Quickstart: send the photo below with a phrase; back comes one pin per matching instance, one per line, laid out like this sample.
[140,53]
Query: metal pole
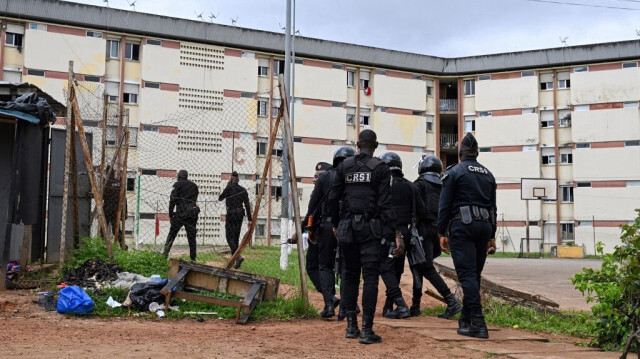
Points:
[593,226]
[67,157]
[74,185]
[138,210]
[527,228]
[233,148]
[284,230]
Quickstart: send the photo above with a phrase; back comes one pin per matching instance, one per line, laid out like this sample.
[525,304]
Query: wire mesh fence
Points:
[211,142]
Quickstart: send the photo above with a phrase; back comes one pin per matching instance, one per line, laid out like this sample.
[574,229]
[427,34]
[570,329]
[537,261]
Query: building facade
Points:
[204,97]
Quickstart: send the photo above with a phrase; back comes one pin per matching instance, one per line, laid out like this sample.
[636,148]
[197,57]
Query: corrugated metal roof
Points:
[108,19]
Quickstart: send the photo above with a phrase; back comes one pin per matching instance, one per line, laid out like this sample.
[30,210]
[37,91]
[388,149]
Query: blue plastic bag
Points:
[74,300]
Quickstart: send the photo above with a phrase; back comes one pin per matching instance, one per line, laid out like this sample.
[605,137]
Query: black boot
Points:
[388,307]
[342,313]
[453,307]
[335,301]
[477,328]
[401,311]
[328,311]
[463,323]
[368,336]
[357,309]
[417,293]
[352,326]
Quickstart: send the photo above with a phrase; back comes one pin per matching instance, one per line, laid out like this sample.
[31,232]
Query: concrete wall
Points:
[399,92]
[492,94]
[609,162]
[605,203]
[399,129]
[321,83]
[605,86]
[320,122]
[507,130]
[510,167]
[606,125]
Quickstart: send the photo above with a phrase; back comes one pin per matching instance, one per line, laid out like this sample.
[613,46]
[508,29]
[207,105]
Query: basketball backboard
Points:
[539,188]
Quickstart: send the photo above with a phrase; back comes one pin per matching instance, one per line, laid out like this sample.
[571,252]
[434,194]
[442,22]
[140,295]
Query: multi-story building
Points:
[204,97]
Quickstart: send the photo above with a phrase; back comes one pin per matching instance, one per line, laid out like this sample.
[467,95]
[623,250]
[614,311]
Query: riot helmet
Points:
[430,163]
[342,153]
[392,160]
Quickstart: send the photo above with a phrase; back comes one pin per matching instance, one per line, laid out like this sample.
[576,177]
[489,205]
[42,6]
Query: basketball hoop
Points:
[537,189]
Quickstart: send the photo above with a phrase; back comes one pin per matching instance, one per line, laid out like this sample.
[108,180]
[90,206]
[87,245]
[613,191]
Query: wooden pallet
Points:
[186,277]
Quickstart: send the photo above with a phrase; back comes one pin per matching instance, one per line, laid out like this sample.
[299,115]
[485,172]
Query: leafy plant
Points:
[616,289]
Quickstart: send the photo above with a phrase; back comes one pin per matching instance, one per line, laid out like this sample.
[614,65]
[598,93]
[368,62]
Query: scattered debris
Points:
[48,302]
[144,294]
[200,313]
[126,280]
[74,300]
[112,303]
[91,273]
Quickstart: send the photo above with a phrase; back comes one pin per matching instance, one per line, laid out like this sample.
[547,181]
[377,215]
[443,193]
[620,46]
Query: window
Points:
[112,98]
[581,108]
[12,76]
[261,148]
[154,42]
[566,158]
[152,85]
[631,143]
[88,78]
[564,118]
[546,119]
[626,65]
[278,67]
[583,145]
[567,193]
[32,72]
[633,183]
[276,191]
[563,80]
[469,87]
[548,156]
[96,34]
[132,52]
[13,39]
[584,184]
[529,148]
[113,49]
[430,88]
[469,123]
[430,123]
[35,26]
[262,107]
[484,77]
[364,120]
[566,230]
[248,55]
[260,230]
[131,183]
[484,149]
[546,86]
[484,114]
[527,73]
[581,69]
[275,107]
[528,110]
[130,98]
[351,119]
[364,79]
[351,78]
[381,109]
[630,104]
[263,71]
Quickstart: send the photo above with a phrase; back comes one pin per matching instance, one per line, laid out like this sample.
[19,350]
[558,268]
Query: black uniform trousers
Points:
[313,265]
[362,256]
[327,245]
[430,237]
[232,227]
[189,224]
[468,244]
[391,269]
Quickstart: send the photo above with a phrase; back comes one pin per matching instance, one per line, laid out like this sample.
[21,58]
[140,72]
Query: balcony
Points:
[448,105]
[448,140]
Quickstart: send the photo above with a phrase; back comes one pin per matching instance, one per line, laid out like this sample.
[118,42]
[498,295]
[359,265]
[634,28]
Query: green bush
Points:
[616,289]
[141,262]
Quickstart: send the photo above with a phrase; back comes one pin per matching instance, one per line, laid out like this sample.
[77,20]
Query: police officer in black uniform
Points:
[184,198]
[363,184]
[467,225]
[323,229]
[405,200]
[236,196]
[429,186]
[314,213]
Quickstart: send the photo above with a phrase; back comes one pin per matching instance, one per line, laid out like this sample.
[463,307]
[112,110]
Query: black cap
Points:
[234,174]
[323,166]
[183,174]
[468,147]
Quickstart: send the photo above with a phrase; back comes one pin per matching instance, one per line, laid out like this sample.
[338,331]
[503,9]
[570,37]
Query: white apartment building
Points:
[570,113]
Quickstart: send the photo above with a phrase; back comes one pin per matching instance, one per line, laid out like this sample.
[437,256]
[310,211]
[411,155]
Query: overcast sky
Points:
[446,28]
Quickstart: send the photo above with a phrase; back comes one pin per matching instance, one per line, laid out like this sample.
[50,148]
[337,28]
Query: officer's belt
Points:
[475,212]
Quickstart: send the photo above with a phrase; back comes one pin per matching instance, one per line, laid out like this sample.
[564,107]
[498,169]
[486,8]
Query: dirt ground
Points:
[27,330]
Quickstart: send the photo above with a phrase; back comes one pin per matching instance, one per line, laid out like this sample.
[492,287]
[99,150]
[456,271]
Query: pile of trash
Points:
[92,274]
[13,268]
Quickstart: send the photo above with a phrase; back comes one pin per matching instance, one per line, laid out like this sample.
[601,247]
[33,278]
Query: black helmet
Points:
[342,153]
[392,160]
[430,163]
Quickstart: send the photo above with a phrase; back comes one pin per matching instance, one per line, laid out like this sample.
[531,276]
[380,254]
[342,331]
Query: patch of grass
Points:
[101,309]
[577,324]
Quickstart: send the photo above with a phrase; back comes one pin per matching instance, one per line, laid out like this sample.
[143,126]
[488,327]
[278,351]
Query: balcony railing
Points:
[448,105]
[448,140]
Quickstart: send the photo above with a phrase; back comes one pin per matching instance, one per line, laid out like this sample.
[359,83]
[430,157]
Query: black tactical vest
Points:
[360,193]
[431,186]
